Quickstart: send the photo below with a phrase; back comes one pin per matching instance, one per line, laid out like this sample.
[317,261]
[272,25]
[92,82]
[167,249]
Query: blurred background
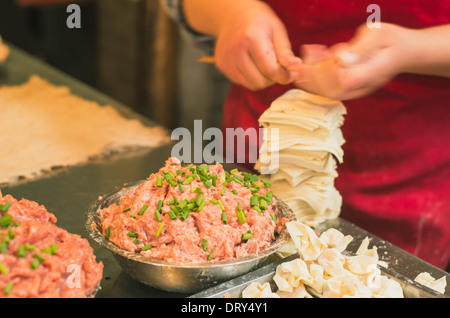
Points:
[129,49]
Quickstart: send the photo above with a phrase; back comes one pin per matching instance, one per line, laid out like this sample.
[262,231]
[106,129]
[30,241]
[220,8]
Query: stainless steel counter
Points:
[68,192]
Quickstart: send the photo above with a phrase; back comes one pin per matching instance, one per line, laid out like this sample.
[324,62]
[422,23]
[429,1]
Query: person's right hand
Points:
[253,48]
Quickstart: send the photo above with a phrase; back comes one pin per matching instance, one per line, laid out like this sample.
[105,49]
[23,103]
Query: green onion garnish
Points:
[246,236]
[172,215]
[234,192]
[132,234]
[3,269]
[211,252]
[8,288]
[126,210]
[223,191]
[224,218]
[6,220]
[160,204]
[199,199]
[146,247]
[159,182]
[267,184]
[157,216]
[143,209]
[274,218]
[254,201]
[204,245]
[5,206]
[200,207]
[159,230]
[21,252]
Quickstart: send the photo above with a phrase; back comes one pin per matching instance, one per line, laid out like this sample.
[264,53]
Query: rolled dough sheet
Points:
[43,126]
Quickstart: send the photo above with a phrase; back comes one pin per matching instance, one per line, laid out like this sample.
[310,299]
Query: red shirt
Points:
[395,179]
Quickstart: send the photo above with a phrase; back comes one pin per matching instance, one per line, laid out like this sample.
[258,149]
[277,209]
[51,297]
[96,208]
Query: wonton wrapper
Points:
[426,279]
[256,290]
[308,245]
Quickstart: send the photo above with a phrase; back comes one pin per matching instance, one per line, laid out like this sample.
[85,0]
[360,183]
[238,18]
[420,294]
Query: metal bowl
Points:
[177,277]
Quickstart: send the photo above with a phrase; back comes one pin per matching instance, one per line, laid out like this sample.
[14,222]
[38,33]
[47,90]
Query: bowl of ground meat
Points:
[39,259]
[188,227]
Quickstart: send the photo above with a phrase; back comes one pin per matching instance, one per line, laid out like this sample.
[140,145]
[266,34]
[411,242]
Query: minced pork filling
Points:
[189,213]
[38,259]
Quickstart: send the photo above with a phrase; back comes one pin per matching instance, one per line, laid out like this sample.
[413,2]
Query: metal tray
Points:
[400,264]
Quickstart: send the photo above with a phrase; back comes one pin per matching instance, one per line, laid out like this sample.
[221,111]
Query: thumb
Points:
[283,49]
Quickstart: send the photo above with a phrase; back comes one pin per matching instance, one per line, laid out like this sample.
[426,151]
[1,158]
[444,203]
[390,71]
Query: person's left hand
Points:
[358,67]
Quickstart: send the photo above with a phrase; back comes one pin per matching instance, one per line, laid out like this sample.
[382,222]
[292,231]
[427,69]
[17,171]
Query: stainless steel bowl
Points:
[177,277]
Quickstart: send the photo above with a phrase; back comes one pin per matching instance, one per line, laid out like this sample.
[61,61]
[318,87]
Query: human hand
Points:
[358,67]
[253,48]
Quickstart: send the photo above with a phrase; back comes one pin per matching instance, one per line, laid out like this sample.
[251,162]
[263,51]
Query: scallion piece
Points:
[200,207]
[4,247]
[234,192]
[6,220]
[21,252]
[241,216]
[3,269]
[172,215]
[246,236]
[254,201]
[126,210]
[159,182]
[204,245]
[159,230]
[146,247]
[222,192]
[199,199]
[157,216]
[207,184]
[8,288]
[267,184]
[6,206]
[262,204]
[132,234]
[160,205]
[143,209]
[274,218]
[211,252]
[224,218]
[185,215]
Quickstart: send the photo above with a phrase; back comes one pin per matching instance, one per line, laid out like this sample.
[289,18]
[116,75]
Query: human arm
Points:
[372,58]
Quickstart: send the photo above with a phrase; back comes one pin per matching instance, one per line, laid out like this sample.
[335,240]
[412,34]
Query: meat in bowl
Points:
[188,213]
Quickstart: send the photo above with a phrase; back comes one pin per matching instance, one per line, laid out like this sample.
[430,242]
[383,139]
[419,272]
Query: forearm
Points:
[431,51]
[207,16]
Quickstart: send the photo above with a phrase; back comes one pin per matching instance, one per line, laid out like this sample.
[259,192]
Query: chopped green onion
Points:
[207,184]
[11,234]
[8,288]
[136,241]
[108,232]
[132,234]
[3,269]
[254,201]
[234,192]
[200,207]
[262,204]
[6,220]
[181,187]
[204,245]
[143,209]
[257,209]
[224,218]
[5,206]
[34,264]
[246,236]
[159,230]
[126,210]
[222,192]
[234,171]
[146,247]
[185,215]
[51,250]
[188,180]
[267,184]
[4,247]
[172,215]
[157,216]
[199,199]
[159,182]
[175,199]
[241,216]
[21,251]
[211,252]
[181,172]
[160,204]
[213,178]
[274,218]
[31,247]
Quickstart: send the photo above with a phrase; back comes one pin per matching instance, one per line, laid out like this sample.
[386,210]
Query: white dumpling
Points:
[308,245]
[426,279]
[258,290]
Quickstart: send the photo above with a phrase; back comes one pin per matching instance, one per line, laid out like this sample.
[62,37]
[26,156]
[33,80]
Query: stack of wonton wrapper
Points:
[300,151]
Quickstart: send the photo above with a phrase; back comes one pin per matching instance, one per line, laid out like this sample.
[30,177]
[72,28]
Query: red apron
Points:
[395,179]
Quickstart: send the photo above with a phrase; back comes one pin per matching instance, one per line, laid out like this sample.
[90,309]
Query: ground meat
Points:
[205,213]
[39,259]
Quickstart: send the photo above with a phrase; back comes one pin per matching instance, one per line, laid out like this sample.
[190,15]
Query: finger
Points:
[264,57]
[313,53]
[251,75]
[283,49]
